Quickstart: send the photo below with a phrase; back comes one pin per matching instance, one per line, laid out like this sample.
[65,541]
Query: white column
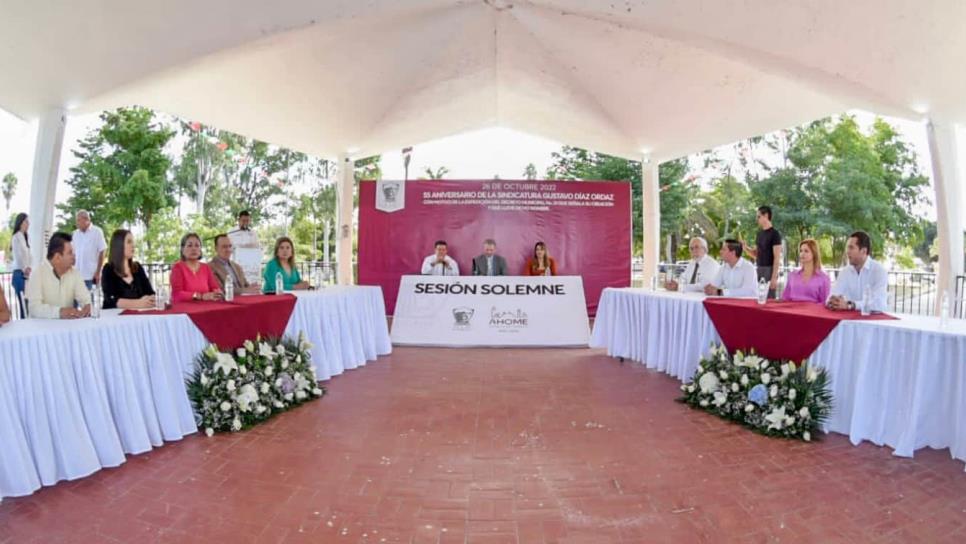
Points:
[651,226]
[950,192]
[343,232]
[43,186]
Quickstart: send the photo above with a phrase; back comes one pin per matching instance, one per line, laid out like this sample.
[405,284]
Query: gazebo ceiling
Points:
[665,76]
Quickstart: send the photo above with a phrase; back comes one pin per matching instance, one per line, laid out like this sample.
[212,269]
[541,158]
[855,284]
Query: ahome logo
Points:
[508,320]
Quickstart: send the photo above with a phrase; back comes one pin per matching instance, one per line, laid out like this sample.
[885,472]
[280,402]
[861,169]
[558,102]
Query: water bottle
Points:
[762,291]
[96,302]
[866,301]
[546,271]
[229,290]
[654,283]
[159,299]
[279,284]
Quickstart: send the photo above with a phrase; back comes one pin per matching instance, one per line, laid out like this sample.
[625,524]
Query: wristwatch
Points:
[195,296]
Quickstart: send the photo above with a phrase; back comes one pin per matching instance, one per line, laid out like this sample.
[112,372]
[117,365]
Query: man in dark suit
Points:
[489,263]
[226,269]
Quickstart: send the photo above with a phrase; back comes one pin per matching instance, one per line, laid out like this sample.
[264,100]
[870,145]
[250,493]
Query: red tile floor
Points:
[495,446]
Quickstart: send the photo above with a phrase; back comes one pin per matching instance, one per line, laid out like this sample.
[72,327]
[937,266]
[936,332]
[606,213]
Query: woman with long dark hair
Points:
[21,260]
[541,264]
[123,280]
[283,262]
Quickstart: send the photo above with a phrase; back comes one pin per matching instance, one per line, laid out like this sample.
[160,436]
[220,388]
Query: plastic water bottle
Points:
[762,291]
[159,299]
[229,290]
[866,301]
[279,284]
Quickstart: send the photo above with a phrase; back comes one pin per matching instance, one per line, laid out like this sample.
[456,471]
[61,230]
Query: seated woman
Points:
[123,280]
[541,264]
[283,262]
[4,309]
[192,279]
[809,283]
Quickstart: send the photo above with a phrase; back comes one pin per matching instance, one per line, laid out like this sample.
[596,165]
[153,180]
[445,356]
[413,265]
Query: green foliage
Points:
[438,173]
[9,188]
[122,174]
[530,172]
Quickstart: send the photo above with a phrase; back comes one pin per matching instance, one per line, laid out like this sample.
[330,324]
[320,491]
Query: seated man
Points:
[861,274]
[489,263]
[226,269]
[736,277]
[55,289]
[700,271]
[440,264]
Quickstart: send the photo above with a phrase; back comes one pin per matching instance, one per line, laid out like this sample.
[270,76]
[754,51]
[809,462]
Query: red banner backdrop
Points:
[585,224]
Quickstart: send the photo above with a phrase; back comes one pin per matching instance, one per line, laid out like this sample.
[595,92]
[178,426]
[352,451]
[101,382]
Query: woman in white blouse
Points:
[21,260]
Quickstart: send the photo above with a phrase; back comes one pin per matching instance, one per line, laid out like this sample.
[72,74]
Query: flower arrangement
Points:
[232,391]
[775,398]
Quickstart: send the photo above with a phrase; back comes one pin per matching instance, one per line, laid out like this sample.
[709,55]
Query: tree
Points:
[9,188]
[122,174]
[530,172]
[203,158]
[439,173]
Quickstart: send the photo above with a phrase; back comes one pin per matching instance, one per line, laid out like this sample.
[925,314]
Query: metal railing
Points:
[160,273]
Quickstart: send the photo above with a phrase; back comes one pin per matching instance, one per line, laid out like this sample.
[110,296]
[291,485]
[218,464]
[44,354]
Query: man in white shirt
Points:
[247,249]
[700,271]
[89,245]
[861,274]
[439,263]
[737,277]
[55,288]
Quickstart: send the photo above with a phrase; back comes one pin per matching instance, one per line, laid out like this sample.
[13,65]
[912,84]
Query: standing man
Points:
[56,289]
[863,274]
[700,271]
[767,251]
[489,263]
[248,250]
[89,246]
[439,263]
[736,277]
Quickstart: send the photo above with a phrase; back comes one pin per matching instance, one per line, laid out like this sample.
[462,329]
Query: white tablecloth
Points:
[897,383]
[76,396]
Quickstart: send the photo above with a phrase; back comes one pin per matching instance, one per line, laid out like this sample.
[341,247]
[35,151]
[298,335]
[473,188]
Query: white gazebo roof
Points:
[669,77]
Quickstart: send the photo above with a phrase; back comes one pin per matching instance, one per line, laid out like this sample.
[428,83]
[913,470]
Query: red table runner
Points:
[229,324]
[778,329]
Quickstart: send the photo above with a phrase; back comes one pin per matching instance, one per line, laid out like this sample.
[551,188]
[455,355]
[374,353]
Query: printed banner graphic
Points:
[491,311]
[390,195]
[586,226]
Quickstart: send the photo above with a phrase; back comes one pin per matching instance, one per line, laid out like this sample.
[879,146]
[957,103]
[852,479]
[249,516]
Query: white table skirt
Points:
[896,383]
[77,396]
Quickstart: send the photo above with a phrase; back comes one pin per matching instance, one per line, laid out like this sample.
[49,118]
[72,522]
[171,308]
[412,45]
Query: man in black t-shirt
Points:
[767,251]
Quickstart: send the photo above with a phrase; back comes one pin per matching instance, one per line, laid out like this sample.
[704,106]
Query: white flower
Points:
[684,387]
[749,407]
[704,403]
[288,396]
[204,379]
[317,392]
[241,353]
[723,374]
[242,370]
[765,378]
[789,421]
[720,398]
[812,374]
[734,387]
[708,382]
[280,349]
[787,369]
[764,365]
[230,386]
[301,383]
[249,345]
[236,424]
[209,431]
[751,361]
[691,389]
[265,387]
[807,436]
[265,350]
[792,394]
[278,404]
[269,370]
[225,406]
[773,392]
[225,363]
[211,351]
[298,359]
[300,395]
[278,382]
[284,364]
[804,413]
[776,418]
[247,397]
[744,379]
[739,357]
[260,409]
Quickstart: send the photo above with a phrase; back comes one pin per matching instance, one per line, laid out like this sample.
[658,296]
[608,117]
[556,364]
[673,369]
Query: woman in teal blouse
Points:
[283,262]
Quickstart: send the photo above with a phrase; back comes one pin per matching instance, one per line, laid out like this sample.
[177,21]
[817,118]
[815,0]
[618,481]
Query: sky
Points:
[480,154]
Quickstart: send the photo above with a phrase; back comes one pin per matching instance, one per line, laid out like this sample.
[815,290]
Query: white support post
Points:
[343,234]
[651,226]
[950,191]
[43,186]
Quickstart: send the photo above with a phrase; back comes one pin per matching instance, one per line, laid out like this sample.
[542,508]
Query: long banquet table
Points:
[77,396]
[900,383]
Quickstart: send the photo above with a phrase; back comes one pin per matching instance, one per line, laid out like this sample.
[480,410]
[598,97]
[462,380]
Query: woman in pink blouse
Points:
[192,279]
[809,283]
